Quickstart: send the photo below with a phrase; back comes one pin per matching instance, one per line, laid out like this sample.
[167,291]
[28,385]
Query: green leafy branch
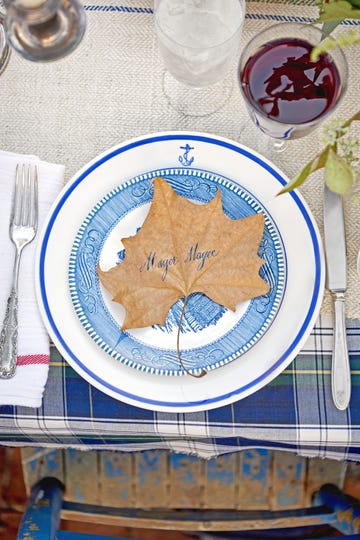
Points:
[339,158]
[337,10]
[343,40]
[332,12]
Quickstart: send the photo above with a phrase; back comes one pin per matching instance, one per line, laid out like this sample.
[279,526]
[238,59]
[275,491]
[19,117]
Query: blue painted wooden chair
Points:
[45,504]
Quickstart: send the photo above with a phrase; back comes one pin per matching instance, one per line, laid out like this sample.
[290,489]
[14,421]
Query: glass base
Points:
[278,151]
[193,101]
[4,46]
[49,40]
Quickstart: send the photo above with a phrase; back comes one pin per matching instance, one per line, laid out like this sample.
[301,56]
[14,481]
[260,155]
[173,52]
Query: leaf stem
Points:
[203,372]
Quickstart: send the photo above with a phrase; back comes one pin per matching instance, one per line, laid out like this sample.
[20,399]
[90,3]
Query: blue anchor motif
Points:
[185,159]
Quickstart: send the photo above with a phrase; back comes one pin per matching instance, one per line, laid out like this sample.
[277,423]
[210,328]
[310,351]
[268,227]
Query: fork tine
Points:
[13,202]
[24,210]
[26,199]
[22,197]
[14,216]
[34,199]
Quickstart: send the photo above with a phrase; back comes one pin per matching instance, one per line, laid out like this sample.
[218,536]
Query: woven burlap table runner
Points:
[110,89]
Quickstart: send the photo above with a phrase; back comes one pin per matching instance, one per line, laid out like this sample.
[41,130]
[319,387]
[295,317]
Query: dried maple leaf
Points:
[183,248]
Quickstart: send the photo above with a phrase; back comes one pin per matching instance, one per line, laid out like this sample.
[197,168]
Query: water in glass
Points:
[198,38]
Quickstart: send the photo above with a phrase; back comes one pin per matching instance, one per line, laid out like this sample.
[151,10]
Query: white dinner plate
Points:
[83,228]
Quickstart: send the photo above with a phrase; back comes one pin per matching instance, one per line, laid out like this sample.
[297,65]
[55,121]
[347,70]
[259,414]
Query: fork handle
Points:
[8,337]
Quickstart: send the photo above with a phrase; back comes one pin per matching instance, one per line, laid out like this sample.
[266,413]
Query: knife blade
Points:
[336,283]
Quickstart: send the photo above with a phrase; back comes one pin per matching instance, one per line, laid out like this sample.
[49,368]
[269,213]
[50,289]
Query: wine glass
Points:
[43,30]
[4,45]
[198,40]
[287,93]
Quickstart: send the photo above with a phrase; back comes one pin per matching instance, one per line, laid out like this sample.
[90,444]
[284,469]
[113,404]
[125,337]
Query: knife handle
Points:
[341,383]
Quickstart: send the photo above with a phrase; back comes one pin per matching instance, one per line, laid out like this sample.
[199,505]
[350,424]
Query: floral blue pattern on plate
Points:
[211,336]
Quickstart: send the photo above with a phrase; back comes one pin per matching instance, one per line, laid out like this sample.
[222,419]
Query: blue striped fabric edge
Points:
[251,16]
[119,8]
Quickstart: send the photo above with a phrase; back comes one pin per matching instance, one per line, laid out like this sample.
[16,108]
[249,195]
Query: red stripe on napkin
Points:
[33,359]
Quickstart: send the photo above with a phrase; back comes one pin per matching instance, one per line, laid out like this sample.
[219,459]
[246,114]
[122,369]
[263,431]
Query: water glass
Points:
[198,40]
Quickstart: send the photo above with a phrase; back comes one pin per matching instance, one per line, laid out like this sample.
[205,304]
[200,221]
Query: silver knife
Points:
[336,282]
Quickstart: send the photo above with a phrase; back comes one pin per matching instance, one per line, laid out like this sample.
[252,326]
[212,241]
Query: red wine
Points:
[283,83]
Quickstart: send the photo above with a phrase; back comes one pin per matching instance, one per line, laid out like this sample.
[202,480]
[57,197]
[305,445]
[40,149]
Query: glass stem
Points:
[278,145]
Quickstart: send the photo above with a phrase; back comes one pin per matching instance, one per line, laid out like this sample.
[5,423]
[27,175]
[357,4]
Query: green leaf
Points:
[317,163]
[335,11]
[338,175]
[343,40]
[355,3]
[354,117]
[328,27]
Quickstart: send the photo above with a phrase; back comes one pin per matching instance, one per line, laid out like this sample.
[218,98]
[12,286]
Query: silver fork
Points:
[22,230]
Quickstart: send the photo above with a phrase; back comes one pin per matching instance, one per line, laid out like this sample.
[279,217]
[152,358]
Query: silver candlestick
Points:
[4,45]
[43,30]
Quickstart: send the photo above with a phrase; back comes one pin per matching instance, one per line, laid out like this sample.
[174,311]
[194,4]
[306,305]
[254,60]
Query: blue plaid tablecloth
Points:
[109,90]
[294,412]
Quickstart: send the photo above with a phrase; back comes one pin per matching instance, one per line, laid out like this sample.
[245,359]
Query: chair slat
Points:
[68,535]
[82,476]
[288,481]
[116,483]
[151,478]
[186,481]
[254,480]
[41,462]
[220,482]
[198,520]
[319,473]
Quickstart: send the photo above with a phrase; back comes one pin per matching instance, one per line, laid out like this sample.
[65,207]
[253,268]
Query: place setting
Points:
[179,270]
[85,324]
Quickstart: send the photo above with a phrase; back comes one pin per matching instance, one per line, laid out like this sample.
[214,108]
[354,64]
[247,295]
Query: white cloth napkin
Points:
[27,386]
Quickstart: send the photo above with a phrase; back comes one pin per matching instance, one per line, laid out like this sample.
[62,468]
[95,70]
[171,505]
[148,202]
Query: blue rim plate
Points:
[212,336]
[251,346]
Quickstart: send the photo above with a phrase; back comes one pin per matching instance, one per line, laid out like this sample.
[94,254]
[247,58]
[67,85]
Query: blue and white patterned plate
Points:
[107,200]
[211,335]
